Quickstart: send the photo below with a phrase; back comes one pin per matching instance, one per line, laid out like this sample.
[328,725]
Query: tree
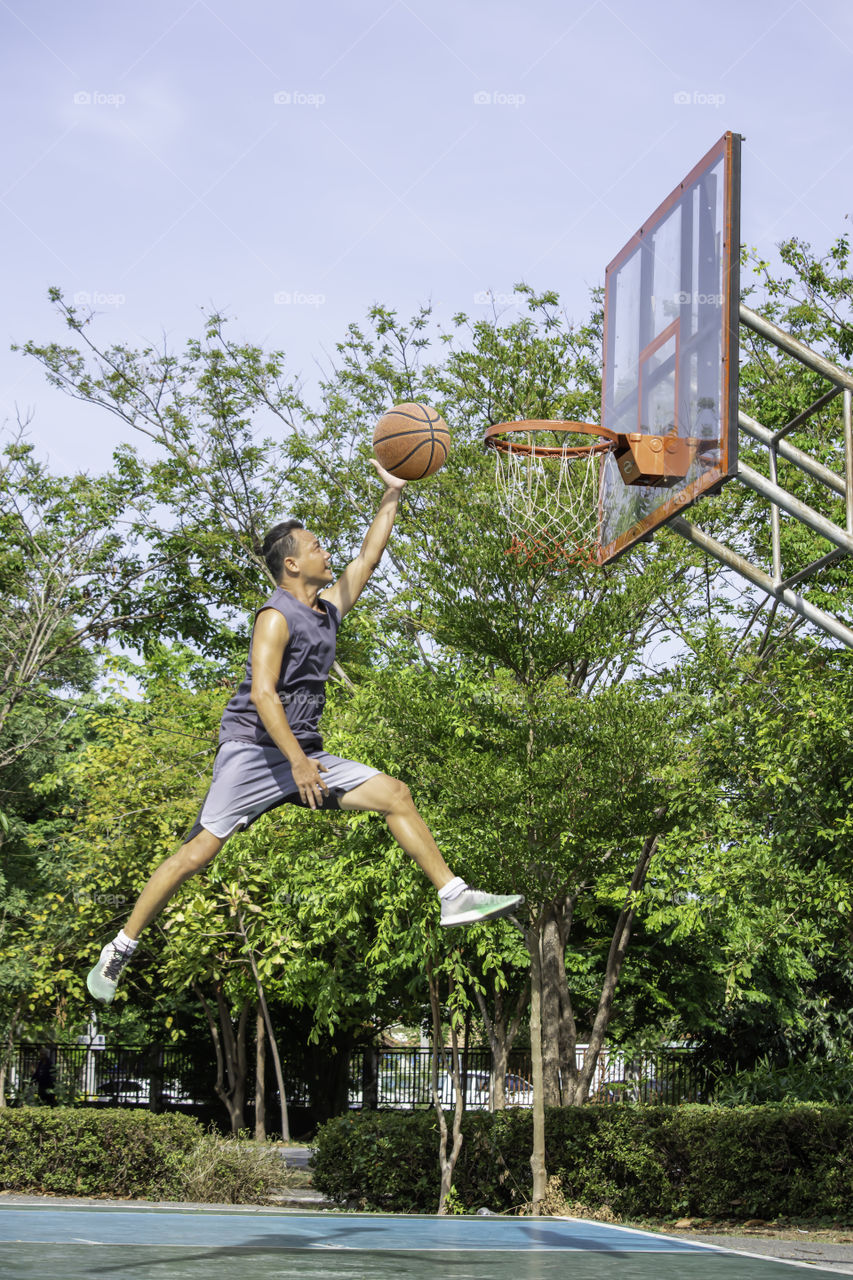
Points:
[68,573]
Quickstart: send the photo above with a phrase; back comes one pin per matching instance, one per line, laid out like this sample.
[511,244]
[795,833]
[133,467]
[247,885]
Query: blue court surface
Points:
[38,1242]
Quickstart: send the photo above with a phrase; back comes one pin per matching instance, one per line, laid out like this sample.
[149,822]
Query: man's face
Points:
[312,560]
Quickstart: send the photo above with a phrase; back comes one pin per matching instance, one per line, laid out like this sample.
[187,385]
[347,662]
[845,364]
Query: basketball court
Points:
[39,1242]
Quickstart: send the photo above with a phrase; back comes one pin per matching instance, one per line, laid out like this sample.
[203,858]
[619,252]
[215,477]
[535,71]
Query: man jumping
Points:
[270,749]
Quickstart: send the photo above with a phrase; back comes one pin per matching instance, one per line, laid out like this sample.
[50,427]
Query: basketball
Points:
[411,441]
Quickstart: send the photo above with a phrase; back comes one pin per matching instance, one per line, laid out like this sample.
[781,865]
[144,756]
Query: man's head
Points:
[292,553]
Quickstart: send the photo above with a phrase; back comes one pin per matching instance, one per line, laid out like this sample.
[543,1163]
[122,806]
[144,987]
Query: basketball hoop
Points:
[547,483]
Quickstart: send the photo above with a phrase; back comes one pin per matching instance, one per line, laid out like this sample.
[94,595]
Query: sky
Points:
[291,165]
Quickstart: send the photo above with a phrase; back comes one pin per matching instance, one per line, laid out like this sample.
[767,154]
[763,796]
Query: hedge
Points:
[77,1152]
[655,1161]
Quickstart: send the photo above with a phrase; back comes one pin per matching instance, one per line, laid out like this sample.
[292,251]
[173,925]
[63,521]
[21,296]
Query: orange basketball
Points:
[411,441]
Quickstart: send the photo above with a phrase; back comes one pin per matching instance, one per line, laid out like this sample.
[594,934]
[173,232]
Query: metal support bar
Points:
[848,457]
[767,329]
[790,451]
[816,566]
[775,519]
[794,507]
[763,581]
[818,404]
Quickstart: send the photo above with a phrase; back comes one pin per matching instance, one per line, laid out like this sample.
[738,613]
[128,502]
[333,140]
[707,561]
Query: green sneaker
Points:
[103,979]
[471,906]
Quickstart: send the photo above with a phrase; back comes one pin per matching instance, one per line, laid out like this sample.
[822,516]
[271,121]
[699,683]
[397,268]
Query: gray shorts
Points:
[249,779]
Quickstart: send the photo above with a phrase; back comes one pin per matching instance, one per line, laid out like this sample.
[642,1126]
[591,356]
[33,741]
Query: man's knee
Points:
[197,853]
[398,794]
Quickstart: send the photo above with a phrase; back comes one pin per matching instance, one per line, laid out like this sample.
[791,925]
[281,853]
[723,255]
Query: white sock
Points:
[124,944]
[452,889]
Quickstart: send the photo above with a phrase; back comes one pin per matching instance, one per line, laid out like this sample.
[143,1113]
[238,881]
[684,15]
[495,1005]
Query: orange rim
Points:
[495,438]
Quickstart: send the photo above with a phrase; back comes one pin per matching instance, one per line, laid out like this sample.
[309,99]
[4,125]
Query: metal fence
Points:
[401,1079]
[168,1077]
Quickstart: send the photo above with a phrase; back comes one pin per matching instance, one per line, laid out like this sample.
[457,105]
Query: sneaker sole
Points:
[96,995]
[472,917]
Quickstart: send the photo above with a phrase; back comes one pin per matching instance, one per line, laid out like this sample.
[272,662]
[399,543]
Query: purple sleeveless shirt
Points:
[301,684]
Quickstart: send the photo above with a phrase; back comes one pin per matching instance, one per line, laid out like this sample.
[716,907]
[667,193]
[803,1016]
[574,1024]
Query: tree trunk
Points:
[370,1078]
[446,1157]
[553,961]
[230,1049]
[262,1000]
[615,960]
[501,1031]
[533,937]
[7,1054]
[155,1081]
[260,1077]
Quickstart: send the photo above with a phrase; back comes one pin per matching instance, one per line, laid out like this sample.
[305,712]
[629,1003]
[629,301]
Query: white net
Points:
[550,503]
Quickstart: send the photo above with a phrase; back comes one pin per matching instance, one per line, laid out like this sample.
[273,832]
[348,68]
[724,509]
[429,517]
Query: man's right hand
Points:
[308,778]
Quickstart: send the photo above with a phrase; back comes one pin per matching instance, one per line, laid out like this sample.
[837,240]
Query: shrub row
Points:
[771,1161]
[76,1152]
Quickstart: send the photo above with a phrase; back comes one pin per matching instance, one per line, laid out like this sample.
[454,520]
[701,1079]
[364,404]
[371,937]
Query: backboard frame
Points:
[671,503]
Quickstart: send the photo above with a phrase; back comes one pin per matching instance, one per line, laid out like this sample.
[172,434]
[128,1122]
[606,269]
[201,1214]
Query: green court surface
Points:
[40,1242]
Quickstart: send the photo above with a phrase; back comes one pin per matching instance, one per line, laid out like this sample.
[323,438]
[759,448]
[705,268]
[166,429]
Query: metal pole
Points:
[775,522]
[767,329]
[763,581]
[848,457]
[794,507]
[790,451]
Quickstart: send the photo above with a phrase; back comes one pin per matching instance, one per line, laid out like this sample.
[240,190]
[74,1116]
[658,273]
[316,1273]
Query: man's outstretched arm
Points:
[353,580]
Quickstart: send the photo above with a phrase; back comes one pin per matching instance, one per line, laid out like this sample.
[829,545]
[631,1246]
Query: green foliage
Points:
[68,1151]
[821,1080]
[638,1161]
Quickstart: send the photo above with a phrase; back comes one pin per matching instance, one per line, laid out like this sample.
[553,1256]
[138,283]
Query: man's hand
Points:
[307,776]
[390,482]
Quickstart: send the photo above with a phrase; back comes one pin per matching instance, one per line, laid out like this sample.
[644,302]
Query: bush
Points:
[76,1152]
[220,1170]
[633,1162]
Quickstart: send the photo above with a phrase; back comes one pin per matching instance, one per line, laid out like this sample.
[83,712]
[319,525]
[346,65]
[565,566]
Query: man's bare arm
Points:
[353,580]
[269,642]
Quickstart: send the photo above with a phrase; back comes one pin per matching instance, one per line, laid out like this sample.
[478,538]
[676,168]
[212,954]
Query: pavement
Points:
[837,1258]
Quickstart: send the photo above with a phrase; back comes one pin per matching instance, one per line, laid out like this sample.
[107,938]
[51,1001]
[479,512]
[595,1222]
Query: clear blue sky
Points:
[292,164]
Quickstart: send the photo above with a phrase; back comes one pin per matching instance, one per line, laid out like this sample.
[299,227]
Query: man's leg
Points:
[169,876]
[459,903]
[393,800]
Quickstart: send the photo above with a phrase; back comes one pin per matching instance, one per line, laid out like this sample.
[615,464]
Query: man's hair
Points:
[278,544]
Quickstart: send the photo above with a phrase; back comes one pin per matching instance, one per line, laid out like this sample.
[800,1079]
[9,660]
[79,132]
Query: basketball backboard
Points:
[671,350]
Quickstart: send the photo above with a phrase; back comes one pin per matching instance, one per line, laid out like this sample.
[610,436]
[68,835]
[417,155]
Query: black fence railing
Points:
[182,1077]
[400,1079]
